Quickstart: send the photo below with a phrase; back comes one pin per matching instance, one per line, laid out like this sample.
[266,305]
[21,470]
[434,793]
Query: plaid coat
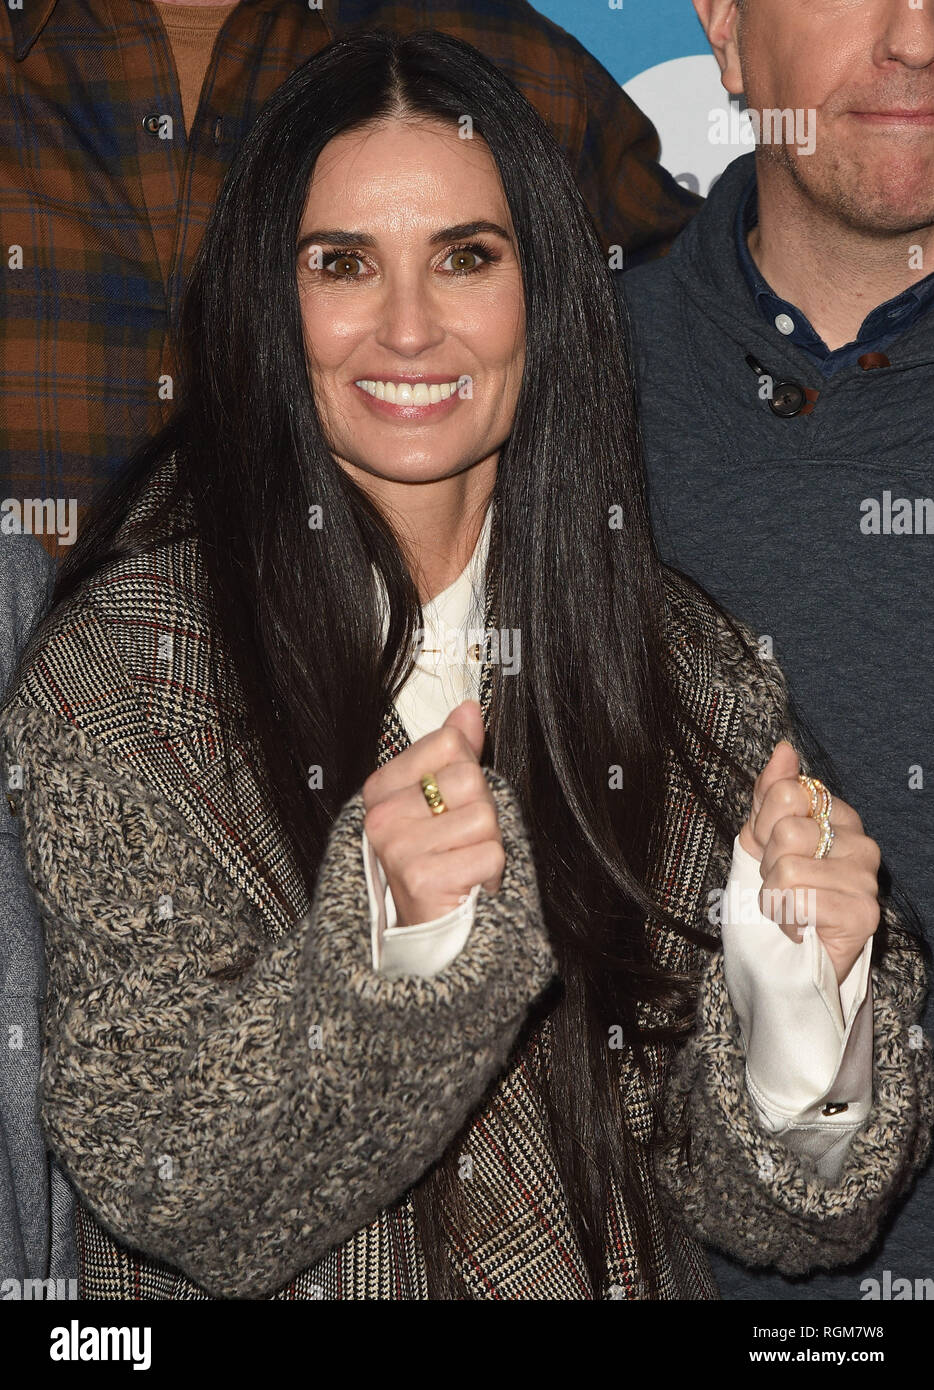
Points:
[244,1107]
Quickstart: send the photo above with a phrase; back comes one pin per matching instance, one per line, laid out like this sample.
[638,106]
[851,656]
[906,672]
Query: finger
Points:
[793,874]
[438,749]
[459,784]
[839,917]
[800,836]
[469,825]
[790,797]
[452,874]
[468,717]
[782,764]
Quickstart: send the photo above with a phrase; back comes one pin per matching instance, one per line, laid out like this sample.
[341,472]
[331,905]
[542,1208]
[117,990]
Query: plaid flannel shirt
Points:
[101,215]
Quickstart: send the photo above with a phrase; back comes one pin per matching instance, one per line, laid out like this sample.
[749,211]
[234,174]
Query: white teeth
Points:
[408,393]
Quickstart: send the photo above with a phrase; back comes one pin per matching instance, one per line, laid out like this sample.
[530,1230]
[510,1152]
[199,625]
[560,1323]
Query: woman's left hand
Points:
[838,894]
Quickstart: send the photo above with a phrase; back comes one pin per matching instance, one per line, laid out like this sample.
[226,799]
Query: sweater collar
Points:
[882,326]
[706,262]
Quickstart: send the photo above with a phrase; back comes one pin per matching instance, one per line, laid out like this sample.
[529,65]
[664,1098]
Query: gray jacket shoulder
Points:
[27,573]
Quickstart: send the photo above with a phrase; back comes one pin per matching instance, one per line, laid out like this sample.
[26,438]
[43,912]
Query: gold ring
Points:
[826,837]
[820,809]
[432,794]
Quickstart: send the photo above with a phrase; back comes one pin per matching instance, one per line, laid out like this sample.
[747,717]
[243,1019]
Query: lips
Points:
[904,114]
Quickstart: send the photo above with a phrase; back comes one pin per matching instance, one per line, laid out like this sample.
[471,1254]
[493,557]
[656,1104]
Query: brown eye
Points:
[463,260]
[343,267]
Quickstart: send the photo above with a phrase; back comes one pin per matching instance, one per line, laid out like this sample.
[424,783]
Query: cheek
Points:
[331,331]
[799,58]
[497,333]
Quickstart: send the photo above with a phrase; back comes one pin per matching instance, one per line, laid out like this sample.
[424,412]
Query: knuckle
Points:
[465,780]
[484,821]
[873,852]
[786,833]
[870,915]
[785,872]
[375,822]
[415,876]
[450,743]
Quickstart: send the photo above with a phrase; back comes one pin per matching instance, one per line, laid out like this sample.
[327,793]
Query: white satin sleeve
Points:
[423,949]
[808,1041]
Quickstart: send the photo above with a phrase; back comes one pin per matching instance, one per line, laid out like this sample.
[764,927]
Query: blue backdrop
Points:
[658,51]
[641,35]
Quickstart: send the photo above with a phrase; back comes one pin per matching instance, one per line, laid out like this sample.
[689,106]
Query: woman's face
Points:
[411,299]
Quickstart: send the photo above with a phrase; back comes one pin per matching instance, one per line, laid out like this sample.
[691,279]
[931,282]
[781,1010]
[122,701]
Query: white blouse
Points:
[808,1043]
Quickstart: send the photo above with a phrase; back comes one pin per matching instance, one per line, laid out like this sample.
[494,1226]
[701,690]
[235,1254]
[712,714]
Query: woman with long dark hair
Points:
[405,402]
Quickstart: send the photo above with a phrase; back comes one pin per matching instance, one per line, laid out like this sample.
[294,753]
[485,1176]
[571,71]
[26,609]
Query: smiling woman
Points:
[406,397]
[414,325]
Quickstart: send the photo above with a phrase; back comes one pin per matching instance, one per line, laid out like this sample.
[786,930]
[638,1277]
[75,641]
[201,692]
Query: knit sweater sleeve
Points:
[735,1184]
[229,1103]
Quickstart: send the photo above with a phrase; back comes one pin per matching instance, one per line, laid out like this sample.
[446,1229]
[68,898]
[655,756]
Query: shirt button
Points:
[151,123]
[785,324]
[787,399]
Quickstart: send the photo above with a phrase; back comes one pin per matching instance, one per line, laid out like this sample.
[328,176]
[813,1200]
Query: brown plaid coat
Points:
[244,1106]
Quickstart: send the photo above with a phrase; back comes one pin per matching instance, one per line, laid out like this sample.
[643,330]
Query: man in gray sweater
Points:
[785,354]
[37,1254]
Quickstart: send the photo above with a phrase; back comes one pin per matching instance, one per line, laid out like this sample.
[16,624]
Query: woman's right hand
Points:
[432,861]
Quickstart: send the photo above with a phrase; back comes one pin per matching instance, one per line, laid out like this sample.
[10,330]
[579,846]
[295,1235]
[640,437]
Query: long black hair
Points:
[296,609]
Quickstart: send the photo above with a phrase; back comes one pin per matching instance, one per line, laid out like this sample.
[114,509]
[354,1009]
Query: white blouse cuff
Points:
[808,1041]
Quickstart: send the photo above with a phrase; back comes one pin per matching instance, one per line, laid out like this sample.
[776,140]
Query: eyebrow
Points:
[338,236]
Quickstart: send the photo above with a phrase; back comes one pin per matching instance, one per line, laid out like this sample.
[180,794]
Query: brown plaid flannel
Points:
[101,216]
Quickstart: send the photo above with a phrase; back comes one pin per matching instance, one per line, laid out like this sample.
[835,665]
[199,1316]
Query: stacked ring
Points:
[820,810]
[432,794]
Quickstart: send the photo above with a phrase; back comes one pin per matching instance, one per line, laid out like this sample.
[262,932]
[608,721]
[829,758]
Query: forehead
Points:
[401,171]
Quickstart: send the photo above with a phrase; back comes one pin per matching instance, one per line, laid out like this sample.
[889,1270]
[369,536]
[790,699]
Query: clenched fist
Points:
[843,886]
[432,861]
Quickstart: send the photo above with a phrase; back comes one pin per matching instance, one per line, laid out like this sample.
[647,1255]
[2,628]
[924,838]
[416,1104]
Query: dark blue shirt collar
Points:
[879,328]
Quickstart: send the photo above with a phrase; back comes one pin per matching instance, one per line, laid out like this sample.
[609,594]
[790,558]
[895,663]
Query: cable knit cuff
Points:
[741,1189]
[506,960]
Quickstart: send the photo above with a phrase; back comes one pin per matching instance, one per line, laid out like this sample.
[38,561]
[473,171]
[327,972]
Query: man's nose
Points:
[908,34]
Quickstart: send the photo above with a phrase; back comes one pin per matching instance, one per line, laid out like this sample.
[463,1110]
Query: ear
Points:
[720,19]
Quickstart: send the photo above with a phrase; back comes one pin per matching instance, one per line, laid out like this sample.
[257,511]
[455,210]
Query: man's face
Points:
[866,68]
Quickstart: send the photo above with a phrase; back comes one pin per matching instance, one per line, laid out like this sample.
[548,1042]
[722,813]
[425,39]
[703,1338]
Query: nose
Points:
[907,35]
[409,320]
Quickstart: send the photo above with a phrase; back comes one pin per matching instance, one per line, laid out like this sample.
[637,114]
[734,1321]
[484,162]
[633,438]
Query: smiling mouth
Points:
[410,392]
